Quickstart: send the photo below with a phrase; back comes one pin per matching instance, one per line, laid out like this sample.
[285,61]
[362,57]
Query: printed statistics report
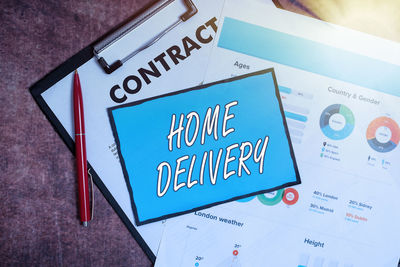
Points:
[341,95]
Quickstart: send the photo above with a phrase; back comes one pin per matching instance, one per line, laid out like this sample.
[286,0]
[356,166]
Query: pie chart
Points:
[337,122]
[383,134]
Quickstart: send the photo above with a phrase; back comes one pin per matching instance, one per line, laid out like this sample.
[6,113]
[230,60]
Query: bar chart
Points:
[294,104]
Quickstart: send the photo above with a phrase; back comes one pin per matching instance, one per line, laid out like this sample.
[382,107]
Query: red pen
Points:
[80,152]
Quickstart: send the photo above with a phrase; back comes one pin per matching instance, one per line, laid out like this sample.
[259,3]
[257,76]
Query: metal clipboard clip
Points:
[121,32]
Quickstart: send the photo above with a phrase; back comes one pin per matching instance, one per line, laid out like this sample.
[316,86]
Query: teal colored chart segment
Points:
[273,200]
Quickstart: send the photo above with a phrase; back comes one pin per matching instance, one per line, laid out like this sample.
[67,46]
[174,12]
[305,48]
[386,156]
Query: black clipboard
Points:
[84,56]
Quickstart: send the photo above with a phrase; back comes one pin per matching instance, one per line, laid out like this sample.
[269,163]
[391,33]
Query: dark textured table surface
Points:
[39,223]
[38,204]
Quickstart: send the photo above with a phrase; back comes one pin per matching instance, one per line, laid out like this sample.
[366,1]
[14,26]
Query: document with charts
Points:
[341,94]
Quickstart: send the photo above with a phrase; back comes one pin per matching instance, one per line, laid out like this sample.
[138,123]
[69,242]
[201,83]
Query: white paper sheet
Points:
[348,207]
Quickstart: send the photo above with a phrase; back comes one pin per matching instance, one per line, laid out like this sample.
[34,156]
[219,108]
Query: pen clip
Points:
[91,194]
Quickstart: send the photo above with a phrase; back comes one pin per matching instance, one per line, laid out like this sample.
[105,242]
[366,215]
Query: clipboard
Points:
[95,57]
[105,43]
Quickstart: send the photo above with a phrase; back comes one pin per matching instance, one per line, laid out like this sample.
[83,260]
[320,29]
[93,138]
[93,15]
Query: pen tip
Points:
[76,71]
[85,224]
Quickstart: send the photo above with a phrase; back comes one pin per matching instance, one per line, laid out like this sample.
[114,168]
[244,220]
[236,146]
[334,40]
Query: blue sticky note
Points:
[204,146]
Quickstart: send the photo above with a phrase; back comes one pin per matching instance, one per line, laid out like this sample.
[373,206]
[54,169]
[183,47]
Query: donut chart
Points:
[290,196]
[272,198]
[337,122]
[383,134]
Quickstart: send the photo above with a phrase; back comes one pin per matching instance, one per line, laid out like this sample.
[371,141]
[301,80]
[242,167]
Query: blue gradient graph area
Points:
[284,89]
[295,116]
[142,131]
[337,122]
[311,56]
